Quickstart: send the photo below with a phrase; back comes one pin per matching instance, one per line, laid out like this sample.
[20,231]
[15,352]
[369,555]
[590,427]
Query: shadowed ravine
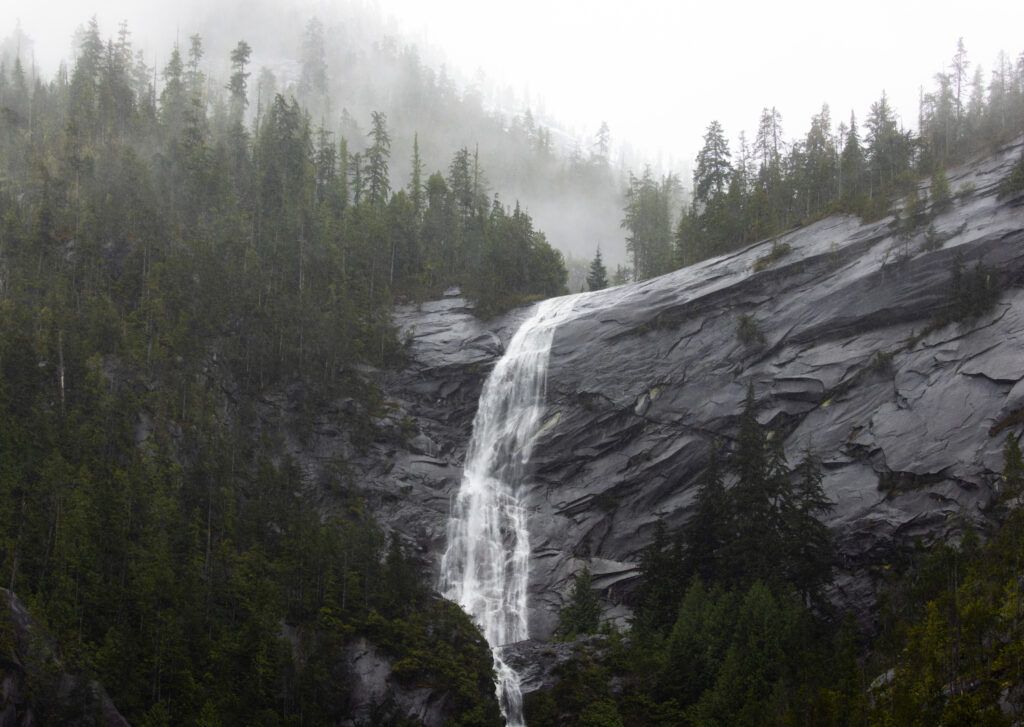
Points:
[485,567]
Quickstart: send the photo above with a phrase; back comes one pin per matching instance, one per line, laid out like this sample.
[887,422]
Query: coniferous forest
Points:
[175,250]
[163,258]
[761,187]
[732,624]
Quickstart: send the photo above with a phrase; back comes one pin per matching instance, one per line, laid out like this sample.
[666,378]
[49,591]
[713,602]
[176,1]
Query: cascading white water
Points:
[485,567]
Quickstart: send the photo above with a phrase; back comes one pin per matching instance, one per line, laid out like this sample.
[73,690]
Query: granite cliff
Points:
[846,331]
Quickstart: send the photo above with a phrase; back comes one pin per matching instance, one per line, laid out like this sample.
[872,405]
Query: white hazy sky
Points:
[656,70]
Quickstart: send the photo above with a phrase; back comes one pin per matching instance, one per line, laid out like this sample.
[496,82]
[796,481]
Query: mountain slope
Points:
[909,413]
[849,353]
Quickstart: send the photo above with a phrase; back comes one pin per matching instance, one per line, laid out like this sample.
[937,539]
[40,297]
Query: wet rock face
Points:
[375,697]
[412,475]
[407,465]
[537,662]
[909,416]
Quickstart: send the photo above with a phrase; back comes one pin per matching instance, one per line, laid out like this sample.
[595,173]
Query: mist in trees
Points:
[174,247]
[754,190]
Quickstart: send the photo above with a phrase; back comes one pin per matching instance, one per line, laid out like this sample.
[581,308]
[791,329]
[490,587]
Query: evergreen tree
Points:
[239,83]
[416,190]
[602,145]
[661,581]
[939,191]
[597,278]
[195,79]
[959,68]
[711,177]
[768,143]
[709,528]
[816,177]
[582,614]
[851,167]
[706,230]
[811,551]
[648,222]
[174,96]
[888,151]
[378,184]
[313,76]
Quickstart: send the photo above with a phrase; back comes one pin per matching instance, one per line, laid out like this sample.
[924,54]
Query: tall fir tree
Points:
[597,278]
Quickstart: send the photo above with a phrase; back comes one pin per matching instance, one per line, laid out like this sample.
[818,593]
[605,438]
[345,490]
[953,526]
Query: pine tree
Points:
[817,173]
[648,222]
[707,229]
[768,143]
[195,79]
[313,76]
[239,82]
[174,98]
[851,167]
[711,177]
[939,191]
[708,529]
[889,151]
[602,145]
[375,159]
[326,161]
[959,67]
[809,547]
[416,189]
[582,614]
[661,580]
[597,278]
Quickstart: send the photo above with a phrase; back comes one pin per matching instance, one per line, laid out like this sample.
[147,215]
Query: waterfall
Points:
[485,568]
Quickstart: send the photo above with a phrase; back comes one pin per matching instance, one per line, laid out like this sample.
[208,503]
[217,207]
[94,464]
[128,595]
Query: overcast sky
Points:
[656,70]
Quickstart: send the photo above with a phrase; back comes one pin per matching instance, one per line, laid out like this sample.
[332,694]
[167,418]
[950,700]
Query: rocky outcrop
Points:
[538,662]
[847,358]
[908,415]
[34,687]
[432,402]
[404,459]
[376,697]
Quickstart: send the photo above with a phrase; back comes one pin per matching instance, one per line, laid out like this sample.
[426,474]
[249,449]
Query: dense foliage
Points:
[168,259]
[730,628]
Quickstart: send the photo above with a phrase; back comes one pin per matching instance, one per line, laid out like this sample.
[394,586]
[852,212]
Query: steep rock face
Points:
[407,464]
[34,688]
[908,416]
[376,697]
[434,399]
[537,662]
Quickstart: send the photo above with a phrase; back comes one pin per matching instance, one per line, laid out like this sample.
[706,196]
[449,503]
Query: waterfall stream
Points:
[485,567]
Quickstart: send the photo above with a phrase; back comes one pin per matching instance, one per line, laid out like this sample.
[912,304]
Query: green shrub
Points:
[972,293]
[582,615]
[779,250]
[939,191]
[965,190]
[1013,183]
